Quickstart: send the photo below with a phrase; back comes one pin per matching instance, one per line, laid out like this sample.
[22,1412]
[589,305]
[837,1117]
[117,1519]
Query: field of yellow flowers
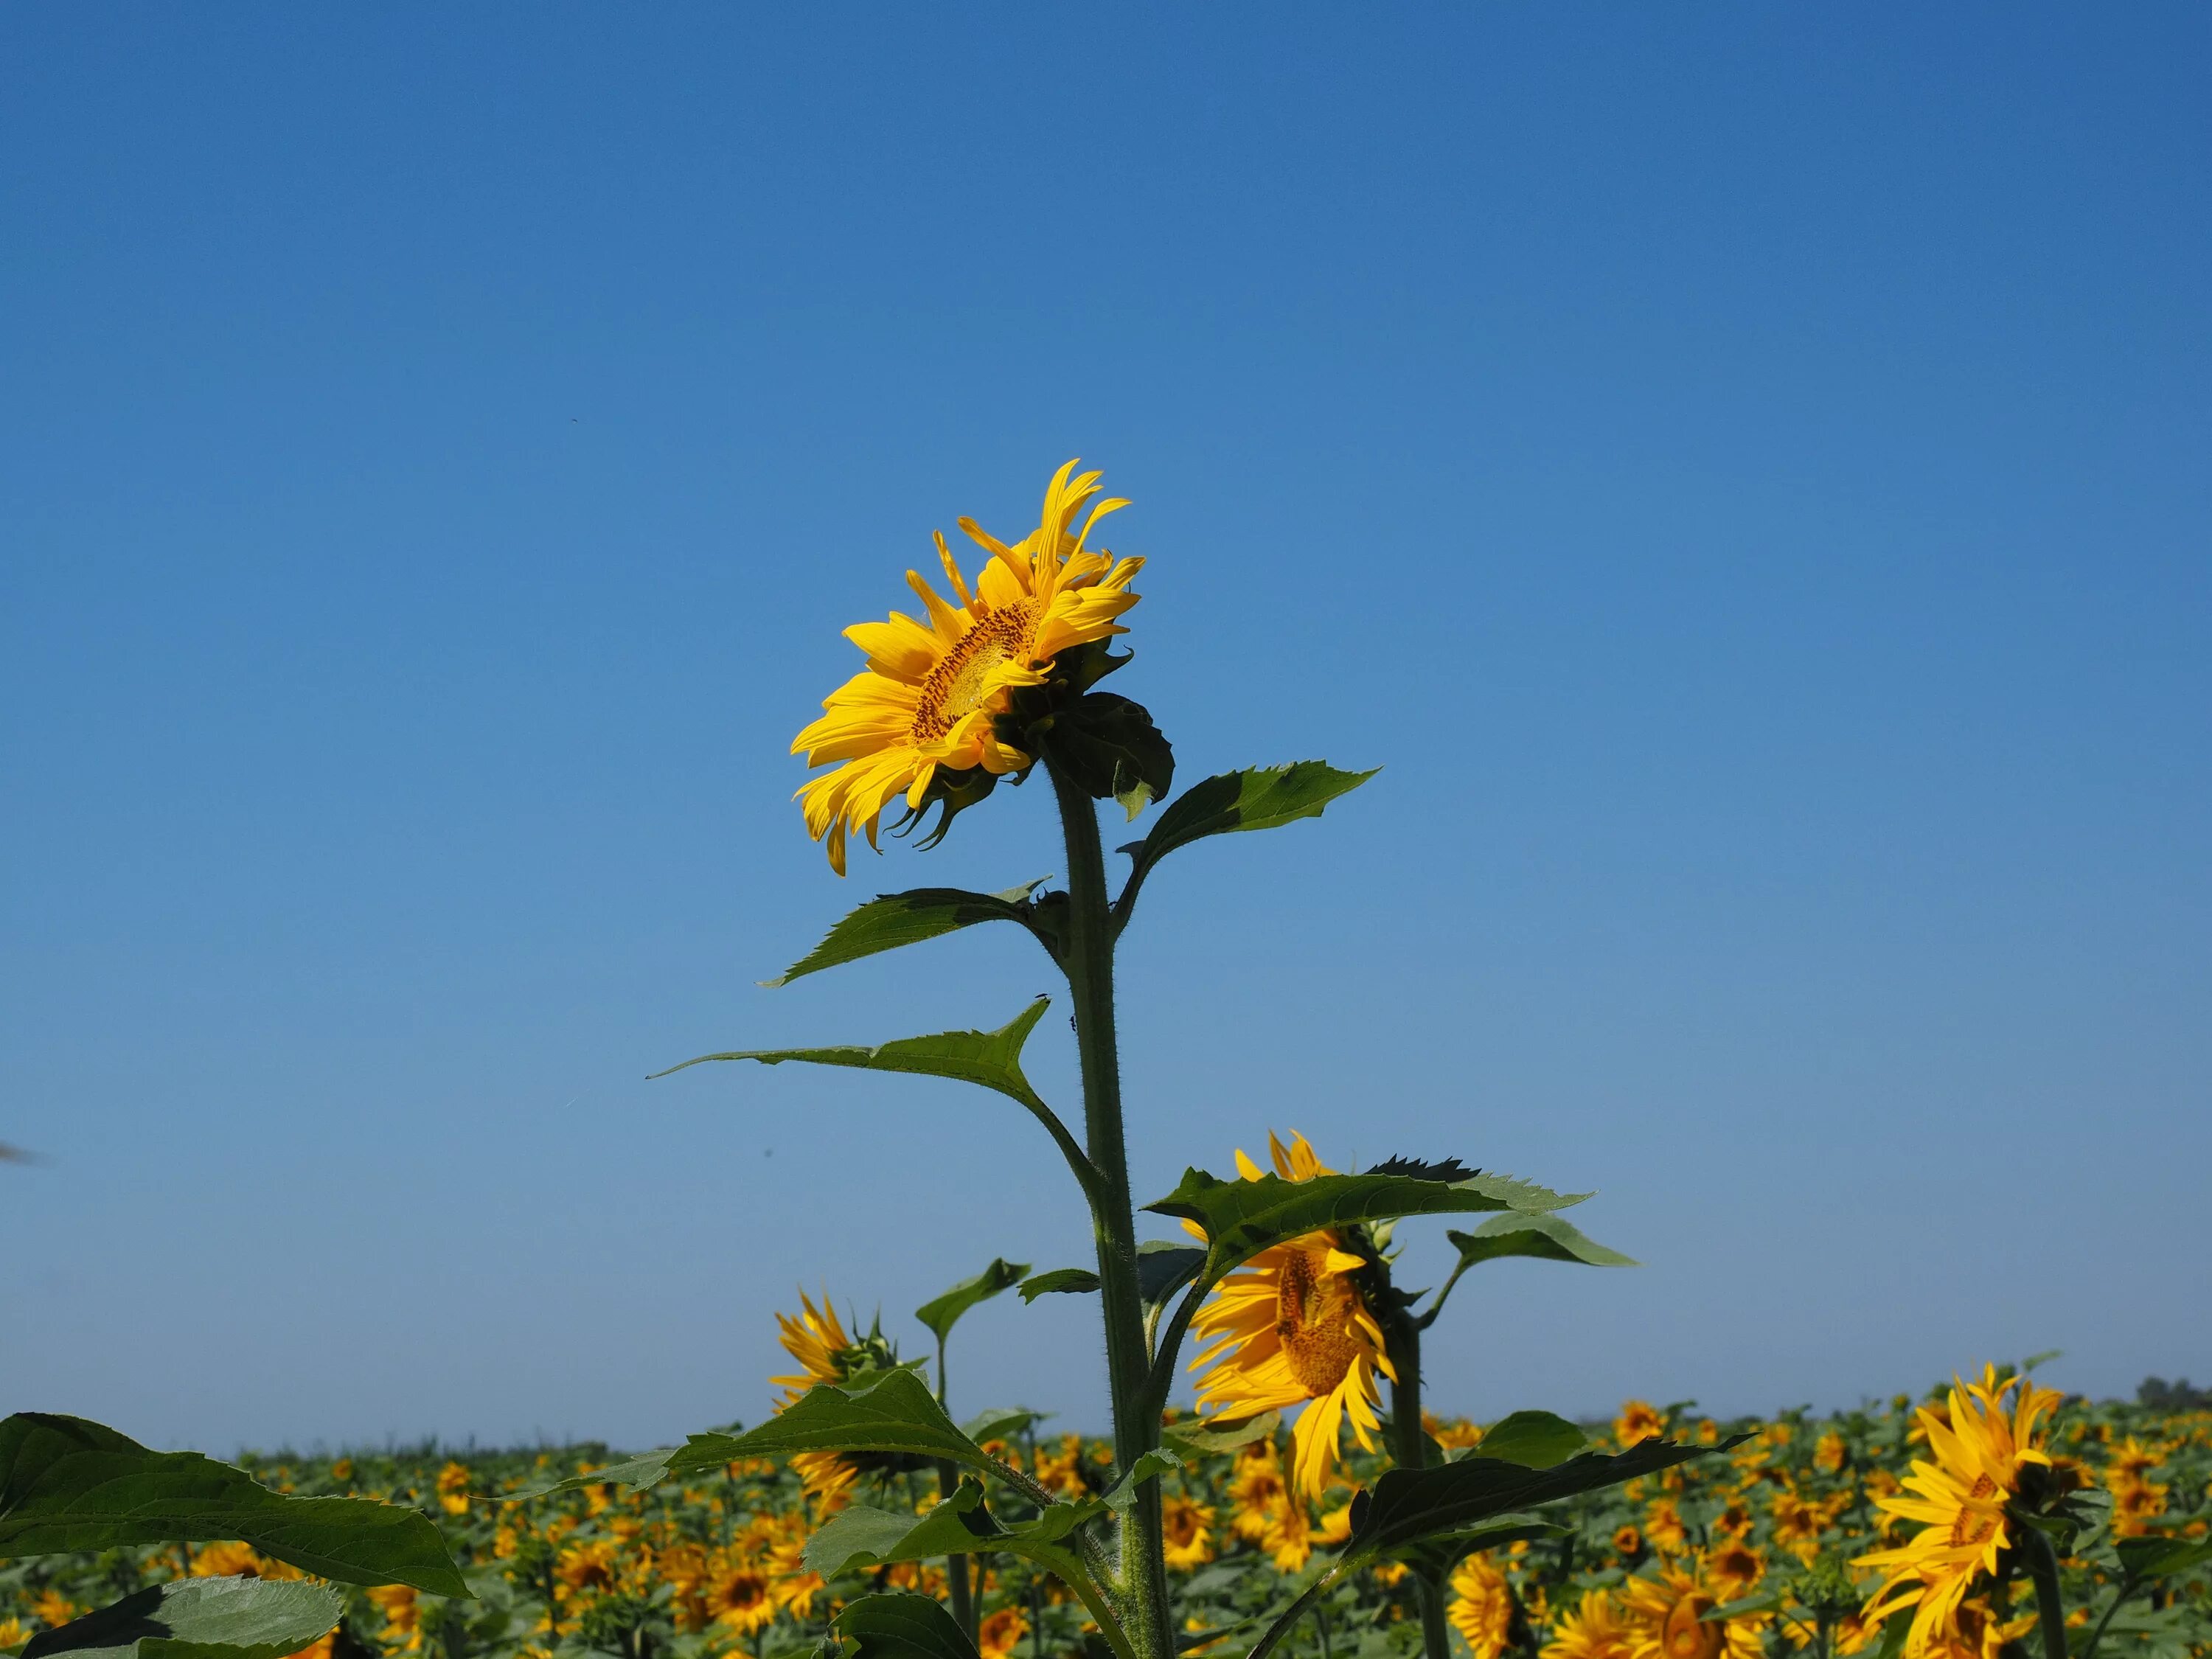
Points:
[1737,1556]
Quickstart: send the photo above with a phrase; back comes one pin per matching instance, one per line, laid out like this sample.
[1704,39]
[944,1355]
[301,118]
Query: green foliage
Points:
[991,1060]
[940,1313]
[858,1536]
[1108,746]
[892,920]
[1195,1437]
[1406,1506]
[67,1484]
[1534,1440]
[1060,1281]
[199,1618]
[1243,1217]
[889,1410]
[902,1625]
[1549,1237]
[1258,798]
[2156,1557]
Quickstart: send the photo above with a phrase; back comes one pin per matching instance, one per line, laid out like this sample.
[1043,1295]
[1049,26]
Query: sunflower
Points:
[826,1354]
[743,1599]
[1292,1327]
[1638,1420]
[453,1489]
[1187,1528]
[1593,1629]
[1979,1454]
[1257,1489]
[1481,1608]
[920,717]
[996,1636]
[1735,1569]
[1669,1614]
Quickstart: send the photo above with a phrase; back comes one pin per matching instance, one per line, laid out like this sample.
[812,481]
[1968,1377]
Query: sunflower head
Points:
[817,1341]
[933,717]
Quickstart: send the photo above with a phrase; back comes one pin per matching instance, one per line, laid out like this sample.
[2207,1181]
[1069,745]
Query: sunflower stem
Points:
[1088,958]
[2043,1572]
[1409,1447]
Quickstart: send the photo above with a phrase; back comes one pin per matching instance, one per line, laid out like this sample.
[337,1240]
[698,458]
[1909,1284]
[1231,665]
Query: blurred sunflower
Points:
[1292,1327]
[1594,1629]
[1481,1608]
[996,1636]
[918,721]
[1669,1614]
[1979,1453]
[1187,1528]
[453,1488]
[1638,1420]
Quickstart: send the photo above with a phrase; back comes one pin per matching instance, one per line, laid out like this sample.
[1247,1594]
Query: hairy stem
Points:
[2043,1571]
[1089,960]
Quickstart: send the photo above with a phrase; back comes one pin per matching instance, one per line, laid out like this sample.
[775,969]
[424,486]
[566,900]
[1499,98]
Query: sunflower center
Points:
[955,687]
[1311,1322]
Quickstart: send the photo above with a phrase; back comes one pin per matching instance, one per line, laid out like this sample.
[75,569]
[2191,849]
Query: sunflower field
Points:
[1753,1553]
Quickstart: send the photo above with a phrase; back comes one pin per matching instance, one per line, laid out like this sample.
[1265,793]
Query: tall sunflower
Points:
[1291,1328]
[918,721]
[1668,1616]
[1980,1445]
[817,1340]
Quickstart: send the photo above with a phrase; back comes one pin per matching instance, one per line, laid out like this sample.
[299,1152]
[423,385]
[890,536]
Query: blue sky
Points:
[1741,471]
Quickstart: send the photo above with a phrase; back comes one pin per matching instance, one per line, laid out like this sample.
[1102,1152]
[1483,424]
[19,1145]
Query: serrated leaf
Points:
[1060,1281]
[1534,1440]
[1406,1506]
[1546,1237]
[221,1618]
[2155,1557]
[1195,1437]
[991,1060]
[890,1410]
[1257,798]
[69,1485]
[902,1625]
[1243,1217]
[891,920]
[940,1314]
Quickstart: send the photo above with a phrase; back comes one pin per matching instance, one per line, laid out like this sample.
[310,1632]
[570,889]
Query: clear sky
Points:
[1741,469]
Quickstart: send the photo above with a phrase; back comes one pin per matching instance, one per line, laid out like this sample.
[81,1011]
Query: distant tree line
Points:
[2158,1394]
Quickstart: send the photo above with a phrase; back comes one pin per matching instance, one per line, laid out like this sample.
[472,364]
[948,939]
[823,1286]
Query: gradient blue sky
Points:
[1742,471]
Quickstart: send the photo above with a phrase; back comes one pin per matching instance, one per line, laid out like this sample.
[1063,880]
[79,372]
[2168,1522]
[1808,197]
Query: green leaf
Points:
[1745,1608]
[199,1618]
[1163,1268]
[890,1410]
[1534,1440]
[1123,1493]
[1060,1281]
[67,1485]
[902,1625]
[1002,1422]
[1546,1237]
[2154,1556]
[941,1313]
[989,1059]
[1195,1437]
[1243,1217]
[891,920]
[860,1536]
[1406,1506]
[1258,798]
[1110,748]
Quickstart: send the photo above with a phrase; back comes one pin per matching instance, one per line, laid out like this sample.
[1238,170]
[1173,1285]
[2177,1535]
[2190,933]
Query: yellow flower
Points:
[1668,1615]
[1627,1542]
[1188,1527]
[402,1617]
[1291,1328]
[1637,1421]
[817,1340]
[996,1636]
[1289,1536]
[1593,1629]
[234,1560]
[1978,1455]
[1481,1608]
[1829,1452]
[14,1632]
[1733,1569]
[53,1609]
[1257,1489]
[930,694]
[453,1489]
[742,1599]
